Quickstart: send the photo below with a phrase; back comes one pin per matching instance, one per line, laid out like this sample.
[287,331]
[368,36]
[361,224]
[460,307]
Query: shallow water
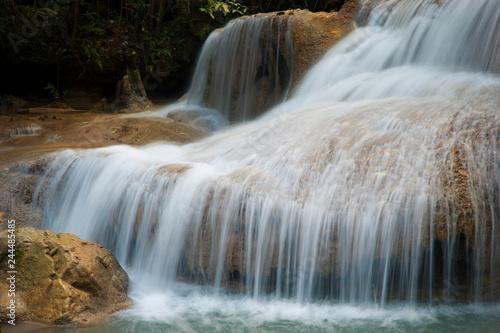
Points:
[195,309]
[192,308]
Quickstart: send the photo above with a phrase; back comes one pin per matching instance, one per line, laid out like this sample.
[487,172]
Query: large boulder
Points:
[61,279]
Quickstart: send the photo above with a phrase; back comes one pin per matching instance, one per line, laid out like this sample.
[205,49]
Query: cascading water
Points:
[234,60]
[379,180]
[243,70]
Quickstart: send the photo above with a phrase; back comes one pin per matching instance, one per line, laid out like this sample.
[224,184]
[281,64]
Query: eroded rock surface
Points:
[316,33]
[62,279]
[130,94]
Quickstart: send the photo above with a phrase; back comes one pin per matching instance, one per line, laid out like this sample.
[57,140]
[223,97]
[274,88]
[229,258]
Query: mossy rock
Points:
[62,279]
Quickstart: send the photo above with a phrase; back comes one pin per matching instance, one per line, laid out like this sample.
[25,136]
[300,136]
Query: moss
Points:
[36,265]
[19,254]
[64,319]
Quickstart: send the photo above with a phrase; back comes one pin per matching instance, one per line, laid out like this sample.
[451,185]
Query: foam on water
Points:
[191,308]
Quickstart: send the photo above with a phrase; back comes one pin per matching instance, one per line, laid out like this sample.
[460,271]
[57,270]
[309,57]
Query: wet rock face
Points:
[62,279]
[18,185]
[316,33]
[257,61]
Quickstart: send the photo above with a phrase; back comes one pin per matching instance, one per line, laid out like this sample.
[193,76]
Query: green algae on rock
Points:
[62,279]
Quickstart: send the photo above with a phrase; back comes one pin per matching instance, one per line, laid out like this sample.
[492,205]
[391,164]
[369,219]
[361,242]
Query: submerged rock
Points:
[61,279]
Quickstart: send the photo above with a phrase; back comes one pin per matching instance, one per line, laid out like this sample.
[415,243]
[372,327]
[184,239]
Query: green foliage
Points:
[51,88]
[106,36]
[213,7]
[102,35]
[92,53]
[203,32]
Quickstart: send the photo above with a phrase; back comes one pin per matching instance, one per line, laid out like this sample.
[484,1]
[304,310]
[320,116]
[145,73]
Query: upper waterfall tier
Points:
[431,41]
[243,68]
[254,62]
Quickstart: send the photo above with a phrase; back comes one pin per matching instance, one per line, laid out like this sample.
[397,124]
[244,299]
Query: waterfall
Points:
[243,70]
[378,179]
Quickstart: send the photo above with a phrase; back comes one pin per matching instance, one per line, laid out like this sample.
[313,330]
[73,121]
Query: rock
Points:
[10,104]
[266,64]
[5,105]
[83,98]
[316,33]
[101,107]
[57,104]
[130,94]
[21,191]
[208,120]
[18,103]
[62,279]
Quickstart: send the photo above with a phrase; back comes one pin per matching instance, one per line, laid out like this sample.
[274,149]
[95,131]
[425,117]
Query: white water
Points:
[195,309]
[30,130]
[234,59]
[243,70]
[334,194]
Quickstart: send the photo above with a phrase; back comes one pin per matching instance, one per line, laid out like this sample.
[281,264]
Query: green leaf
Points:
[50,86]
[86,51]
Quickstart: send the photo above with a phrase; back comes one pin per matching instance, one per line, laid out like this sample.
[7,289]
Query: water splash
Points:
[192,309]
[378,180]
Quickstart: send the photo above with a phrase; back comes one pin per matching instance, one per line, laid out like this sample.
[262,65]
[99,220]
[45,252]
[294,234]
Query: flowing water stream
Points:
[368,201]
[243,70]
